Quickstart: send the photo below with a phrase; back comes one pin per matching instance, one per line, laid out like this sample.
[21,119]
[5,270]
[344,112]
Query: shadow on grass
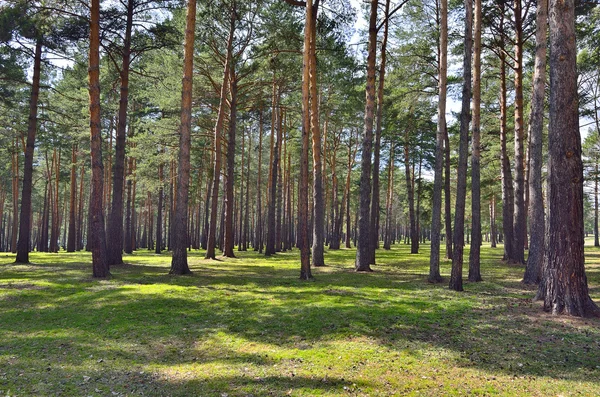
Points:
[55,316]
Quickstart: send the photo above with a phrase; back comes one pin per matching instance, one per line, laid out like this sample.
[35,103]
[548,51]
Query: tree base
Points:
[435,279]
[180,272]
[366,269]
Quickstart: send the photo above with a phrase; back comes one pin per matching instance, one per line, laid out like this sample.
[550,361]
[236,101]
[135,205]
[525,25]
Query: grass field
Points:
[249,327]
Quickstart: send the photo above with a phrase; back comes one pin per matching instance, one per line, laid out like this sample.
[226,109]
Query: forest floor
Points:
[249,327]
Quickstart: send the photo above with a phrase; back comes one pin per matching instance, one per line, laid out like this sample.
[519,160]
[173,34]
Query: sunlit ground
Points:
[249,327]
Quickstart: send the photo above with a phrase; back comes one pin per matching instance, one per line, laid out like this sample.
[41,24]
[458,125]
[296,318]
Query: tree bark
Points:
[115,219]
[389,205]
[25,215]
[179,262]
[303,227]
[363,257]
[212,229]
[536,127]
[519,226]
[229,184]
[436,206]
[475,251]
[258,242]
[318,258]
[97,235]
[72,236]
[461,184]
[566,289]
[159,210]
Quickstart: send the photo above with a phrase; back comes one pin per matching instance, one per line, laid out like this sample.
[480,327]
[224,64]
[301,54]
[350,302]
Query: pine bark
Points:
[179,262]
[519,226]
[230,180]
[566,289]
[363,257]
[212,228]
[436,206]
[25,215]
[461,184]
[97,234]
[536,127]
[475,251]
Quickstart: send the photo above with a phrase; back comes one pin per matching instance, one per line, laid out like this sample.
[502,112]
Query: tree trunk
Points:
[461,184]
[179,263]
[518,251]
[258,242]
[447,195]
[303,227]
[97,234]
[272,183]
[115,219]
[159,210]
[212,229]
[536,127]
[506,173]
[436,206]
[596,237]
[414,238]
[388,205]
[229,184]
[375,205]
[493,230]
[318,258]
[363,257]
[72,237]
[475,251]
[25,216]
[566,289]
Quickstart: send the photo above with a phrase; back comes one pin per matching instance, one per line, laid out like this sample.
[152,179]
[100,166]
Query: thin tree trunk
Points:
[536,127]
[475,251]
[388,204]
[447,195]
[436,207]
[25,216]
[519,226]
[179,263]
[375,204]
[318,258]
[272,184]
[97,235]
[493,230]
[414,238]
[159,210]
[72,237]
[363,257]
[461,185]
[212,229]
[230,181]
[258,242]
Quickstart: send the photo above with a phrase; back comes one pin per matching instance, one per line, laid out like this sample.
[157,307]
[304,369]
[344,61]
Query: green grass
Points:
[249,327]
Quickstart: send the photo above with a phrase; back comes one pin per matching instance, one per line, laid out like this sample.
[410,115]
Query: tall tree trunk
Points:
[230,181]
[72,237]
[519,226]
[303,227]
[212,229]
[436,207]
[536,127]
[272,183]
[279,189]
[159,210]
[506,173]
[566,289]
[115,219]
[447,195]
[25,216]
[55,231]
[461,184]
[15,196]
[363,257]
[596,237]
[475,251]
[97,236]
[375,205]
[318,258]
[414,237]
[389,206]
[179,263]
[258,242]
[493,230]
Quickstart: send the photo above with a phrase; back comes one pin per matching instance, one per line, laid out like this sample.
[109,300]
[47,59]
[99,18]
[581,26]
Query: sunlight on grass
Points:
[247,326]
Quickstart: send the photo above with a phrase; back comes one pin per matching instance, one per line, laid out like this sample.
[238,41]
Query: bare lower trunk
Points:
[566,289]
[536,208]
[461,185]
[363,257]
[179,262]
